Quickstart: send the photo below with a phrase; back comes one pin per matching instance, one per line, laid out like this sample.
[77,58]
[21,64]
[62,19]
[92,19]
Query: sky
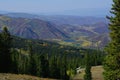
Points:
[58,7]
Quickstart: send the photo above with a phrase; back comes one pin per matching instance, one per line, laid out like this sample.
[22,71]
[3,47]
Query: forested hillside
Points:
[42,58]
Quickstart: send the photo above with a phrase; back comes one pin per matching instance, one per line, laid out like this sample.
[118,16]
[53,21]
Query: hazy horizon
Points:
[58,7]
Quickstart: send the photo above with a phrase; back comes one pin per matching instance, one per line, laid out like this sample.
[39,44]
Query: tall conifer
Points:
[112,60]
[87,75]
[5,53]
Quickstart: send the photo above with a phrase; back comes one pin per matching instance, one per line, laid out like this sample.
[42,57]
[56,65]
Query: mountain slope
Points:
[31,28]
[72,30]
[61,19]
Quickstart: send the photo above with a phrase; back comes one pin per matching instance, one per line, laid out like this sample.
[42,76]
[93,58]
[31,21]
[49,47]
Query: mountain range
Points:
[66,30]
[31,28]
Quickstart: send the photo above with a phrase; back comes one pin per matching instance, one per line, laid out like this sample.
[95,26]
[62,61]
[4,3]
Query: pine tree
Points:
[44,66]
[5,53]
[112,60]
[15,61]
[54,70]
[33,64]
[64,68]
[87,75]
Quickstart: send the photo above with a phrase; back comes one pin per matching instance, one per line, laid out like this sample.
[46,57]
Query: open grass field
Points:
[4,76]
[96,74]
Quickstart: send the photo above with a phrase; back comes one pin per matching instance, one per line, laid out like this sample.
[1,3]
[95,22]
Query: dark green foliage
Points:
[87,75]
[15,61]
[5,54]
[53,64]
[54,68]
[112,60]
[57,60]
[96,57]
[20,62]
[33,66]
[64,68]
[44,66]
[45,59]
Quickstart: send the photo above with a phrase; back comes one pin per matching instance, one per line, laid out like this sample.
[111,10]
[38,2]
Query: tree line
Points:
[42,59]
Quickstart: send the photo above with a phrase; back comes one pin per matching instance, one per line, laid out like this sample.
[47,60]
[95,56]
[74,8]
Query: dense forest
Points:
[43,58]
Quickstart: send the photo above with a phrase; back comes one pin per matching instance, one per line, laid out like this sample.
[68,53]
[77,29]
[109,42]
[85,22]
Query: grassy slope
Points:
[4,76]
[96,74]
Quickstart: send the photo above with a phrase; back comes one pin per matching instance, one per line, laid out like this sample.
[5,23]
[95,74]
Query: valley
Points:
[58,44]
[59,40]
[87,32]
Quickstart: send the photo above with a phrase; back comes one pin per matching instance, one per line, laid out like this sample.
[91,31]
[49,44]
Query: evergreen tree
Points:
[54,69]
[112,60]
[87,75]
[64,68]
[44,66]
[33,64]
[5,53]
[15,61]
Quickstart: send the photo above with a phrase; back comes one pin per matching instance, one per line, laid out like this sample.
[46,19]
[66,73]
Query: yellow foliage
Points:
[86,44]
